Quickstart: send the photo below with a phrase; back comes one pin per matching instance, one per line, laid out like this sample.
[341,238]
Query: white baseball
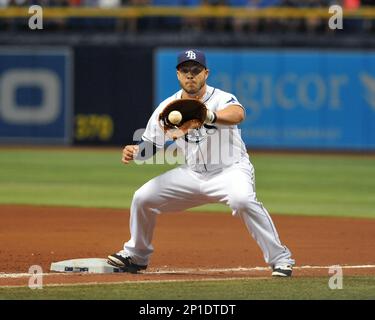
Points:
[175,117]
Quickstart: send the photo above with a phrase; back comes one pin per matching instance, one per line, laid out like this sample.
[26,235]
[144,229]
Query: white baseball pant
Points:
[181,188]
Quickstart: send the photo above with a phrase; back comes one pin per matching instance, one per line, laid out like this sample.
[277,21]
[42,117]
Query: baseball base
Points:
[89,265]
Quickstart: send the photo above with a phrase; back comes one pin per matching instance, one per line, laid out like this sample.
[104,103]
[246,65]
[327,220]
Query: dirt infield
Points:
[187,245]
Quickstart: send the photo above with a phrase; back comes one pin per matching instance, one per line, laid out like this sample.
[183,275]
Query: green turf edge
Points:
[212,209]
[297,288]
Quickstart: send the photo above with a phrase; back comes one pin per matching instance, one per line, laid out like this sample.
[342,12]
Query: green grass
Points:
[286,184]
[358,287]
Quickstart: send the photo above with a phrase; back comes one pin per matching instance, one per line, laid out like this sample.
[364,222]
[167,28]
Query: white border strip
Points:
[138,282]
[185,271]
[197,270]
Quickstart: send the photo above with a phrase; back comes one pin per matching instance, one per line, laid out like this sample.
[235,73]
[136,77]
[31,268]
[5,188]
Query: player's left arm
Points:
[230,115]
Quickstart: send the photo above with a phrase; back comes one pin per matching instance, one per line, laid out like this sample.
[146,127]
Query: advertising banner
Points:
[35,95]
[294,99]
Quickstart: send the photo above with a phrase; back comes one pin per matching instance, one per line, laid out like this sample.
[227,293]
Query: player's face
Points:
[192,77]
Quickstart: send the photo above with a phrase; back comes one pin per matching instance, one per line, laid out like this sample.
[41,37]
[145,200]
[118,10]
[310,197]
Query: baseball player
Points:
[217,169]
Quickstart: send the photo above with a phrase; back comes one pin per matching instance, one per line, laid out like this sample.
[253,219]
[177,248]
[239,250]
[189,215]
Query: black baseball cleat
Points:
[125,264]
[282,271]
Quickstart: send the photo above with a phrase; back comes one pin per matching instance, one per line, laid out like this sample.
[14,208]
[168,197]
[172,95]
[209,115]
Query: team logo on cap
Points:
[191,54]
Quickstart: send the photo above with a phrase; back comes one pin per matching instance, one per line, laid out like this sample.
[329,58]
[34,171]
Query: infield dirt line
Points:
[139,282]
[189,270]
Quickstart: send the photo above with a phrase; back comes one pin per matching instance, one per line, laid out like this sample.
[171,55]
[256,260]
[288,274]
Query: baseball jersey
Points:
[212,146]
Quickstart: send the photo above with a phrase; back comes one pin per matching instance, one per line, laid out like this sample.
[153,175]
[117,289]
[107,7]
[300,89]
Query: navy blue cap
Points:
[191,55]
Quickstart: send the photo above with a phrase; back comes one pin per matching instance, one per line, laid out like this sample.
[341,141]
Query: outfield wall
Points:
[113,95]
[99,95]
[85,95]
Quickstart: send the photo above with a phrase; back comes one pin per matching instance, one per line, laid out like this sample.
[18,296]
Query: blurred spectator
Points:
[90,3]
[245,24]
[193,23]
[109,3]
[315,24]
[352,4]
[75,3]
[251,24]
[310,24]
[131,25]
[350,24]
[167,23]
[4,3]
[216,23]
[18,3]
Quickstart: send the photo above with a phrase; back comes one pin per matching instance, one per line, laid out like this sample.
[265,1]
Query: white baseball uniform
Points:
[217,169]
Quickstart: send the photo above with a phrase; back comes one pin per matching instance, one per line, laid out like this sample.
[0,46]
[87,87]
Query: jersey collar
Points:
[206,96]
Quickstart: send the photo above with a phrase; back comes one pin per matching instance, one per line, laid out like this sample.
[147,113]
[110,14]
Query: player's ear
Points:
[207,71]
[178,74]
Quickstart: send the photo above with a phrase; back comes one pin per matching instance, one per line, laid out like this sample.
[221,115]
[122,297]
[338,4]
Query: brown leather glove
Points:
[193,112]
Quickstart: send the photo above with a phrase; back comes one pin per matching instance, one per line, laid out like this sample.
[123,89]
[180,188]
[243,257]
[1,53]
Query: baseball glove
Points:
[193,112]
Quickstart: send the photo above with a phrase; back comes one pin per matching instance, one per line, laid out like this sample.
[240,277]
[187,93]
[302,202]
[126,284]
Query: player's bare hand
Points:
[128,153]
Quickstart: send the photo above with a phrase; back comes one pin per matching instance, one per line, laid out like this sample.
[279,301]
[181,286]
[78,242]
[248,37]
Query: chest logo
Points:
[201,134]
